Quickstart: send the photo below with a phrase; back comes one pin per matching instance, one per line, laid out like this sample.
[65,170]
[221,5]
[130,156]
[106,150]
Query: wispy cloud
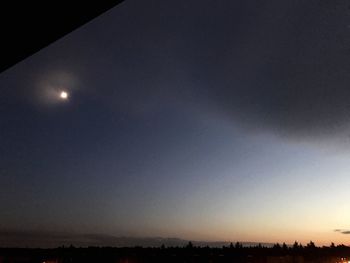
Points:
[342,231]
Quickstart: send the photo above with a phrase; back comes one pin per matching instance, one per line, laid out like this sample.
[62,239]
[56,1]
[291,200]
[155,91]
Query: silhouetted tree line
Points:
[278,253]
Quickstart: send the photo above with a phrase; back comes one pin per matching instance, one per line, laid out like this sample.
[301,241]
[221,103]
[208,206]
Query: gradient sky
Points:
[204,120]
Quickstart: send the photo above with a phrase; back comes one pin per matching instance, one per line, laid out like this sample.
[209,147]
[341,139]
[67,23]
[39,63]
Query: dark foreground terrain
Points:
[233,253]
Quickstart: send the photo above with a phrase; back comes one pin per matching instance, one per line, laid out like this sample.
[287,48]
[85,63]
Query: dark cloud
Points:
[280,65]
[342,231]
[54,239]
[288,71]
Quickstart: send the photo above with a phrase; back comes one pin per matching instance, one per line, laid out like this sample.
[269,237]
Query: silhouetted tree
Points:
[180,254]
[295,246]
[189,245]
[277,246]
[311,245]
[285,247]
[238,245]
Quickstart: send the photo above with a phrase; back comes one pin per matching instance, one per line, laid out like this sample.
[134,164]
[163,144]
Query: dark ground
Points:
[189,253]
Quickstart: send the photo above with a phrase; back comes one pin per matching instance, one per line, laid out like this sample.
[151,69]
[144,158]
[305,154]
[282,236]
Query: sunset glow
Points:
[205,121]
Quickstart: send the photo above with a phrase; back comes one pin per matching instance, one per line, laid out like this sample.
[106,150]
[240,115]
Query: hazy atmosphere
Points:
[200,120]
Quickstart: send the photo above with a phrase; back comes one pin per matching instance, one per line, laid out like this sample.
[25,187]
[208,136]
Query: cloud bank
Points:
[280,66]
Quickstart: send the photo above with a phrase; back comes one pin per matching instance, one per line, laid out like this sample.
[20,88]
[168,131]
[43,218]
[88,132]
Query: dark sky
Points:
[201,120]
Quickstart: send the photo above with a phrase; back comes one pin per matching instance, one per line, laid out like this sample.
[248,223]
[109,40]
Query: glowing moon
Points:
[64,95]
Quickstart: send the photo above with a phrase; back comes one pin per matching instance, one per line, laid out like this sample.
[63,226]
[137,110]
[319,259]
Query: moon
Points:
[64,95]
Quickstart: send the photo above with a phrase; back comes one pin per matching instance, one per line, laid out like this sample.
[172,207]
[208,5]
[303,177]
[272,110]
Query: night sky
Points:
[203,120]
